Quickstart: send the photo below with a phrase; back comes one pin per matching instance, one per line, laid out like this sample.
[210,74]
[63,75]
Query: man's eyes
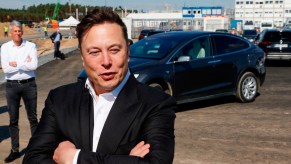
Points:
[98,52]
[94,52]
[114,50]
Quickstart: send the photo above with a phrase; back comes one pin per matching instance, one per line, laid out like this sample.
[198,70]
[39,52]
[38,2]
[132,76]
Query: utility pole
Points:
[70,7]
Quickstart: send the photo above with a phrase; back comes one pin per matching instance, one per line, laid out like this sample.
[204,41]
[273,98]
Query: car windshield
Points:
[154,47]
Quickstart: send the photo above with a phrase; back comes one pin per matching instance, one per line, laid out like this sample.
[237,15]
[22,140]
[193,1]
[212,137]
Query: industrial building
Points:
[189,18]
[272,13]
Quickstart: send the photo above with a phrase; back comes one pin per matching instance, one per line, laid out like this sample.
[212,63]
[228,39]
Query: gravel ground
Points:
[219,131]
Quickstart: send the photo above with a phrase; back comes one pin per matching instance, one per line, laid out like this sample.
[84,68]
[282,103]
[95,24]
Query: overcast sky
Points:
[129,4]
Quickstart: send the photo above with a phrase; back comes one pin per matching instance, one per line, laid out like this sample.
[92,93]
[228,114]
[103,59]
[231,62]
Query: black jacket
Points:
[138,113]
[53,36]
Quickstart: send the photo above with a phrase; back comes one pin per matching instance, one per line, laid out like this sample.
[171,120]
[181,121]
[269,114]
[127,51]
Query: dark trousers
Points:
[57,49]
[14,93]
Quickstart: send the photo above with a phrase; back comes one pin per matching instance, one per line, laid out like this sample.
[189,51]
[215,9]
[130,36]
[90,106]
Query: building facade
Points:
[189,18]
[271,12]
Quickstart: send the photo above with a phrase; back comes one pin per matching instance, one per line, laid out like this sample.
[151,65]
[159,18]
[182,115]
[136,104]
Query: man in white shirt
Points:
[110,117]
[19,62]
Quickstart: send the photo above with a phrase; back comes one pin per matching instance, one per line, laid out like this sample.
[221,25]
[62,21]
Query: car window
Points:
[286,36]
[276,36]
[155,48]
[227,44]
[272,36]
[195,49]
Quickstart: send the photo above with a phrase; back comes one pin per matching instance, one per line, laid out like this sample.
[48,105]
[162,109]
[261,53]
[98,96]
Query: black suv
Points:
[144,34]
[147,33]
[275,43]
[250,34]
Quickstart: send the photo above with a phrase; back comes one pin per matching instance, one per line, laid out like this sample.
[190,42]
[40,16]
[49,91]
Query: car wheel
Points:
[247,88]
[158,86]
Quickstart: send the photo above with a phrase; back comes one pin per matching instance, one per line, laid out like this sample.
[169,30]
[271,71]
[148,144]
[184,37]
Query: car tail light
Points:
[141,36]
[265,43]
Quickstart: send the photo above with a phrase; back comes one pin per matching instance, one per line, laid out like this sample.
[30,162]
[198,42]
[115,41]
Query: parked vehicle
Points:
[276,43]
[250,34]
[248,25]
[147,33]
[197,65]
[287,26]
[143,34]
[221,30]
[266,25]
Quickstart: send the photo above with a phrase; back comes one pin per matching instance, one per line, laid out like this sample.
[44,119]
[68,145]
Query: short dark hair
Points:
[99,16]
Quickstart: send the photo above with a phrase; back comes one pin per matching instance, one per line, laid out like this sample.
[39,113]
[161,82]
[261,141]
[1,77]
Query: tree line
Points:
[37,13]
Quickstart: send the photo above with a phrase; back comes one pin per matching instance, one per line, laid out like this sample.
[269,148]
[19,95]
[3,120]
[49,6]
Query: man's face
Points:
[16,34]
[105,56]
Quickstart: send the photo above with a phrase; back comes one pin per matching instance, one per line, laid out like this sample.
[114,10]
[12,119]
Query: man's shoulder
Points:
[28,43]
[8,43]
[70,88]
[53,34]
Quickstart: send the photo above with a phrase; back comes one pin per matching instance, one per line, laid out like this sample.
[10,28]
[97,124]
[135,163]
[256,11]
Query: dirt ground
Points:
[219,131]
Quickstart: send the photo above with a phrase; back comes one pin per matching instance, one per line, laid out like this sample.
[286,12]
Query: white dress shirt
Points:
[26,57]
[102,106]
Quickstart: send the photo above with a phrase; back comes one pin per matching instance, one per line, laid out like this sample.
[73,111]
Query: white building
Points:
[260,11]
[185,19]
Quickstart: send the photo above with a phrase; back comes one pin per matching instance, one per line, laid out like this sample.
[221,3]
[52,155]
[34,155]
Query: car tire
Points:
[160,87]
[247,88]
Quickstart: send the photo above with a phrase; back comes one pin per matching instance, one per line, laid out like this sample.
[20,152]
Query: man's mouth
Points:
[107,76]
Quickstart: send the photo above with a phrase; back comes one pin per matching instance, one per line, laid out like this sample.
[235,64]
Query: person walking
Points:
[56,38]
[19,62]
[5,31]
[110,117]
[45,31]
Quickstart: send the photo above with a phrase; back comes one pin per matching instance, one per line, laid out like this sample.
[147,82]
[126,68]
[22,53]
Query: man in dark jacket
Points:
[110,117]
[56,38]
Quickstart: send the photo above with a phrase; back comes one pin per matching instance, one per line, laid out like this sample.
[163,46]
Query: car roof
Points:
[250,30]
[187,34]
[275,29]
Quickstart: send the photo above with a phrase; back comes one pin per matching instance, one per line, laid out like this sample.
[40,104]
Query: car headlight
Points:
[136,75]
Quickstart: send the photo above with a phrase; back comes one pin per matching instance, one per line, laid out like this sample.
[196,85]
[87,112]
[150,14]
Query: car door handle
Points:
[214,61]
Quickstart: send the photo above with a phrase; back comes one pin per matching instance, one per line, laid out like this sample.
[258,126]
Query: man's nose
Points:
[106,59]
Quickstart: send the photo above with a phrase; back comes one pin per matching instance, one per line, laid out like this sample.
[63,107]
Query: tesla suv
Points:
[197,65]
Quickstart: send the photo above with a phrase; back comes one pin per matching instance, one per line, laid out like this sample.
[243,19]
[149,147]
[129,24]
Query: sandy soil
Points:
[46,46]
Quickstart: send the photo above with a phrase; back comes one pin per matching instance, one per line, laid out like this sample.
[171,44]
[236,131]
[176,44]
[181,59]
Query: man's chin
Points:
[107,88]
